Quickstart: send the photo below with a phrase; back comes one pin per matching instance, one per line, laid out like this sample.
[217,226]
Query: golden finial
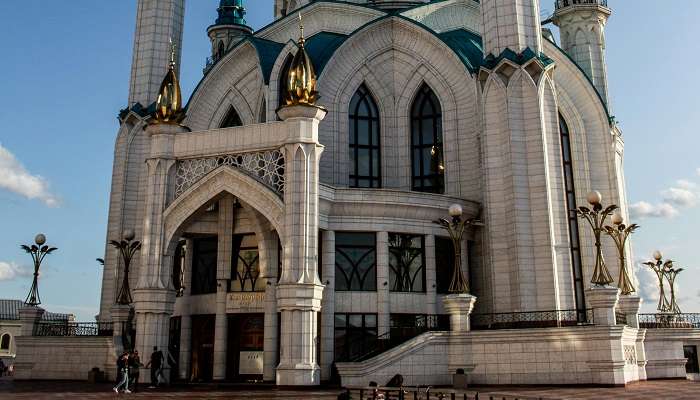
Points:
[169,103]
[301,81]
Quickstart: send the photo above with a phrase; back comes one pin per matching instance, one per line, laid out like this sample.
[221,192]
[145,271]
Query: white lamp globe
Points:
[594,197]
[455,210]
[40,239]
[657,255]
[617,219]
[129,234]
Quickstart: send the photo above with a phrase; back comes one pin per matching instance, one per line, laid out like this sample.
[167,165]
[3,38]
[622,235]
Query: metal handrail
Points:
[67,329]
[531,319]
[667,321]
[566,3]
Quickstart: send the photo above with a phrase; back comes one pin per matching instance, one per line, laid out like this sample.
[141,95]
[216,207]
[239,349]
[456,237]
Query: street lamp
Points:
[596,218]
[38,251]
[456,227]
[671,274]
[659,268]
[127,248]
[620,232]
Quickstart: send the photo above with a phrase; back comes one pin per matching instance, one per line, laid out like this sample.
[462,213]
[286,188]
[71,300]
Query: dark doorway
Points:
[174,347]
[691,353]
[246,337]
[202,348]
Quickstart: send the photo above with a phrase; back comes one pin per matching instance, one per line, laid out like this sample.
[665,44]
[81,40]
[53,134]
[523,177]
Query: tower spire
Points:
[301,81]
[169,102]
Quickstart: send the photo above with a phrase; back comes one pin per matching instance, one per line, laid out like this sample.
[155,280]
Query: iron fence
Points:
[565,3]
[533,319]
[665,321]
[423,393]
[73,329]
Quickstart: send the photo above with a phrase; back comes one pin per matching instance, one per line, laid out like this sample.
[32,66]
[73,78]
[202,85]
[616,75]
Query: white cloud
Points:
[643,209]
[697,171]
[680,197]
[648,283]
[10,271]
[15,178]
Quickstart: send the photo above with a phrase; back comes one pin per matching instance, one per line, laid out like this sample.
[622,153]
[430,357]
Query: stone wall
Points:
[64,358]
[575,355]
[664,351]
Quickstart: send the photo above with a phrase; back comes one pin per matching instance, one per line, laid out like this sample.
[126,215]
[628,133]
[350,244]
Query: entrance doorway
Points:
[246,337]
[202,348]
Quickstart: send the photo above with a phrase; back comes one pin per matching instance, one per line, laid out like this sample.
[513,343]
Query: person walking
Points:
[134,373]
[156,365]
[123,369]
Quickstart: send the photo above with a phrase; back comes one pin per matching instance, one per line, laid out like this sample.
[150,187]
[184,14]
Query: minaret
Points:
[157,22]
[228,27]
[582,27]
[285,7]
[524,207]
[511,24]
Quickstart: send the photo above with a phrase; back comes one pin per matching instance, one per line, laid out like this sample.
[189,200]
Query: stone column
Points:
[383,300]
[154,296]
[328,304]
[28,318]
[459,307]
[120,316]
[603,301]
[186,325]
[223,274]
[271,319]
[630,305]
[299,291]
[430,276]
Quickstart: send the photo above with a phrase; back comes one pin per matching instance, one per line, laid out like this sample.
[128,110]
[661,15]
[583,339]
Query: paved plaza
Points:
[652,390]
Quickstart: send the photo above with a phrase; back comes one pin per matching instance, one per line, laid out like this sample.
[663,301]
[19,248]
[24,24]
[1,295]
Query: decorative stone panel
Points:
[267,167]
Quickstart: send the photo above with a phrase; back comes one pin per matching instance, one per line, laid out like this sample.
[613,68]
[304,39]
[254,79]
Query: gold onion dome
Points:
[169,102]
[301,81]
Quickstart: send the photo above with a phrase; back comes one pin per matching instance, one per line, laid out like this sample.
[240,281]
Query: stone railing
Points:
[566,3]
[266,166]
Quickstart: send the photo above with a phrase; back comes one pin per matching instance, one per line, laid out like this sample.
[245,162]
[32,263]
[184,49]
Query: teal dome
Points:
[231,12]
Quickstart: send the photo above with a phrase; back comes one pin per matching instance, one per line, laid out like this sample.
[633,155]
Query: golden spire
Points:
[169,103]
[301,81]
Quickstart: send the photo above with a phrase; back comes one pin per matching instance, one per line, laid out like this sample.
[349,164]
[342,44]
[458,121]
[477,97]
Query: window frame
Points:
[195,289]
[369,276]
[436,146]
[367,339]
[247,279]
[363,96]
[232,119]
[394,270]
[8,343]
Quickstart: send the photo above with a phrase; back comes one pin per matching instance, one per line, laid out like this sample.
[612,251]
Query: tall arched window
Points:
[428,168]
[567,162]
[365,159]
[5,342]
[220,52]
[231,119]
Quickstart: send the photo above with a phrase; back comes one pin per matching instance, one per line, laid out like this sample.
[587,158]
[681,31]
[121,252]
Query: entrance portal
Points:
[202,348]
[246,334]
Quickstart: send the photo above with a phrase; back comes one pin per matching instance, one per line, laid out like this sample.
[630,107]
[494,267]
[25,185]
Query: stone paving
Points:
[653,390]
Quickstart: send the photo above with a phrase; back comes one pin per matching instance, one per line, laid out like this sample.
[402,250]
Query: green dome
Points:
[231,12]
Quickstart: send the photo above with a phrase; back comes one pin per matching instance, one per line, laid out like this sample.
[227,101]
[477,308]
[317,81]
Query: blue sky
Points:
[64,76]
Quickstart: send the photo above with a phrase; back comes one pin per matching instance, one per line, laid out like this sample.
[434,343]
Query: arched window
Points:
[365,160]
[577,269]
[283,91]
[231,119]
[263,112]
[5,342]
[221,51]
[428,169]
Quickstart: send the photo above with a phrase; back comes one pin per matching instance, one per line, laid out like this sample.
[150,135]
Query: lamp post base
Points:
[459,307]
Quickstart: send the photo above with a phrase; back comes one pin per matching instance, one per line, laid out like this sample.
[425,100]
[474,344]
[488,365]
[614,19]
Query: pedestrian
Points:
[2,368]
[123,369]
[134,366]
[156,364]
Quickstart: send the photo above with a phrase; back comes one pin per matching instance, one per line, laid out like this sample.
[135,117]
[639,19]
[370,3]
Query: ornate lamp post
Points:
[596,218]
[127,248]
[456,227]
[671,274]
[619,232]
[659,268]
[38,251]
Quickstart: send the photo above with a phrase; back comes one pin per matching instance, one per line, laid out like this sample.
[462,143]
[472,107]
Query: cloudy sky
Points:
[65,74]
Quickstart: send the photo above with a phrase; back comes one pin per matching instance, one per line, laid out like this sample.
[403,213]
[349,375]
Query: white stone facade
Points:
[284,176]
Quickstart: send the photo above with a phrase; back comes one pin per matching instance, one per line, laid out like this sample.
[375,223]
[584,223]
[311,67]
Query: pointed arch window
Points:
[365,153]
[220,52]
[231,119]
[5,342]
[427,163]
[574,238]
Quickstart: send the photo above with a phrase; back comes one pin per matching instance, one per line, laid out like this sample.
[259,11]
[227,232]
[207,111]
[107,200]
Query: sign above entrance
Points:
[249,299]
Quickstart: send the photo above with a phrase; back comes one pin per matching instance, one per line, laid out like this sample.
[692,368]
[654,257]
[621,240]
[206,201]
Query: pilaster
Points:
[328,304]
[223,274]
[383,298]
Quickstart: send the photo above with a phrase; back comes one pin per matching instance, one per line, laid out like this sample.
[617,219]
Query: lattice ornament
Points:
[267,167]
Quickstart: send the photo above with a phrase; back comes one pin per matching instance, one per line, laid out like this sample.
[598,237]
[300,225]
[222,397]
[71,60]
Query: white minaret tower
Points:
[525,212]
[582,27]
[157,22]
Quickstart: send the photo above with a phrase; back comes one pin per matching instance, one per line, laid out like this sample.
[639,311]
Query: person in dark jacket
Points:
[134,365]
[123,370]
[156,365]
